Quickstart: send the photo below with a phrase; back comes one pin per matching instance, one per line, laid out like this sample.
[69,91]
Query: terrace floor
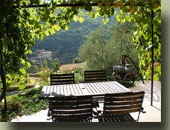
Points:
[153,113]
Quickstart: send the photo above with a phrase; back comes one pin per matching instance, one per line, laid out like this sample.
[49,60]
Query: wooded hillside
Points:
[65,43]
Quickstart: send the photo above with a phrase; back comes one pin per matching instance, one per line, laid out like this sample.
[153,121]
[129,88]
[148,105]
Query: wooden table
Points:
[82,89]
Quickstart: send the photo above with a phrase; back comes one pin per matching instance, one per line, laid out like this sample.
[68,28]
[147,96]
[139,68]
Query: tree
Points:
[15,41]
[121,37]
[18,28]
[55,64]
[104,47]
[77,60]
[93,50]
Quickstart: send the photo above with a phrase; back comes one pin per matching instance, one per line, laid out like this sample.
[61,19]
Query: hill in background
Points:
[64,44]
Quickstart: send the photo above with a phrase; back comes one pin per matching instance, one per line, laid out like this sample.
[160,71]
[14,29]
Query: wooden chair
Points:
[117,107]
[58,79]
[94,76]
[72,109]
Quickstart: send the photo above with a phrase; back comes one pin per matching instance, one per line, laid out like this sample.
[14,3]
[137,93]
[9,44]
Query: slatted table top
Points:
[82,89]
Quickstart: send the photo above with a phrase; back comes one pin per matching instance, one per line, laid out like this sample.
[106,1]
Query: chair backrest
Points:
[95,76]
[57,79]
[123,103]
[72,109]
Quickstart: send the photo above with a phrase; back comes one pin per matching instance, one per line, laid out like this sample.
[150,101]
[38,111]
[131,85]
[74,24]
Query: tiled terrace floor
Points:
[153,113]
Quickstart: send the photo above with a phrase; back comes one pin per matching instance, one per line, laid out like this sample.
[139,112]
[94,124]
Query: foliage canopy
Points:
[20,24]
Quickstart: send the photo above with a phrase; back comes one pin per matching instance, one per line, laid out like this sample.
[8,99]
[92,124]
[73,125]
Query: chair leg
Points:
[49,113]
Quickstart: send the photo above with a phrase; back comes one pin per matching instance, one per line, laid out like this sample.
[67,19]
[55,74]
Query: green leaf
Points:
[118,18]
[57,27]
[52,31]
[67,27]
[41,36]
[29,52]
[21,86]
[156,77]
[120,12]
[94,15]
[23,61]
[81,19]
[105,20]
[75,18]
[28,65]
[23,71]
[127,17]
[123,20]
[47,33]
[82,13]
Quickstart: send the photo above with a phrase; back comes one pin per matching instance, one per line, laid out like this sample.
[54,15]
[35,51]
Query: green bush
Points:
[14,106]
[78,78]
[78,75]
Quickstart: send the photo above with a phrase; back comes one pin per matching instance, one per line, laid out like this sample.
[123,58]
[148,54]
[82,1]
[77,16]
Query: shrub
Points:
[14,106]
[78,78]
